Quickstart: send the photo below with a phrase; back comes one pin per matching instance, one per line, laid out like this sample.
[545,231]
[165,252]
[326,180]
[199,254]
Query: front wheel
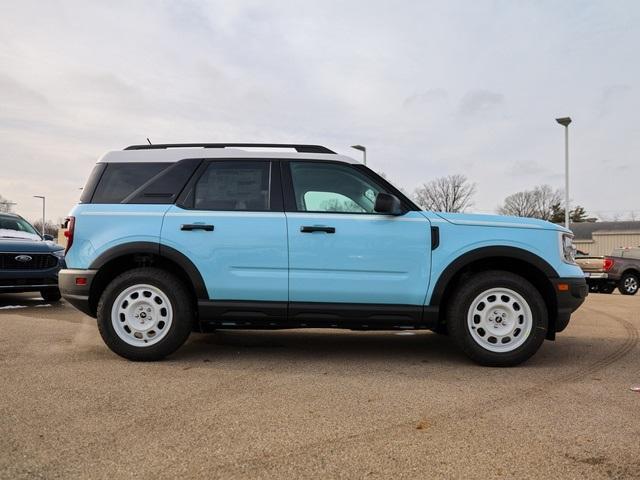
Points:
[629,284]
[50,294]
[145,314]
[497,318]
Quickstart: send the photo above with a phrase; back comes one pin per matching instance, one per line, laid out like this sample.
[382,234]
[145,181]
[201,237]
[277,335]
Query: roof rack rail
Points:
[298,147]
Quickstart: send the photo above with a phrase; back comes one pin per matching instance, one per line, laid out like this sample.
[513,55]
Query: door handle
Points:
[311,229]
[196,226]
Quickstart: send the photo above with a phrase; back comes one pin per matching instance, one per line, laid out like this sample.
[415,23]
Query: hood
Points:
[20,245]
[482,220]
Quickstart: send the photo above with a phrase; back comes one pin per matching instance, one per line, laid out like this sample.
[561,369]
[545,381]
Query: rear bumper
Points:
[77,295]
[570,294]
[596,275]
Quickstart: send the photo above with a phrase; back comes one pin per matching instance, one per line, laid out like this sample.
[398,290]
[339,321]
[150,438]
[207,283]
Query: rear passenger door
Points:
[230,223]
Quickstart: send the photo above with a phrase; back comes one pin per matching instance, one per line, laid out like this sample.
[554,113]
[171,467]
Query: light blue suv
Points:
[173,238]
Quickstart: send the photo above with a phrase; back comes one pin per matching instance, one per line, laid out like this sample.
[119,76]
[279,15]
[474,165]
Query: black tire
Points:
[607,289]
[182,305]
[461,301]
[629,284]
[50,295]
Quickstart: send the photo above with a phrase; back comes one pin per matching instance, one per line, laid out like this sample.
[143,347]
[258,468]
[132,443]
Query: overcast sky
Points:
[431,88]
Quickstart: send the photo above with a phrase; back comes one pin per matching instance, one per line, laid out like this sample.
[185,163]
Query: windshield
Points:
[16,227]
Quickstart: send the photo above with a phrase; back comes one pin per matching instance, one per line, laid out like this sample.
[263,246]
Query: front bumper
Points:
[76,291]
[17,281]
[570,294]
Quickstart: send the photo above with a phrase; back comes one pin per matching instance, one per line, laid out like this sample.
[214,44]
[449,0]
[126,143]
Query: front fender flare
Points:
[487,252]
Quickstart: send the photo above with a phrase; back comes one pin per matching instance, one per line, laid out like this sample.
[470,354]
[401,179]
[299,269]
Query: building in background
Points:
[600,238]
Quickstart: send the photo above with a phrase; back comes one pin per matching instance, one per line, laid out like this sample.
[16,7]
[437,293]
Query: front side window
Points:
[331,187]
[234,185]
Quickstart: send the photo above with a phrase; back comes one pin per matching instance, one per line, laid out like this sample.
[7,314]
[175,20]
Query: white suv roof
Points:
[175,152]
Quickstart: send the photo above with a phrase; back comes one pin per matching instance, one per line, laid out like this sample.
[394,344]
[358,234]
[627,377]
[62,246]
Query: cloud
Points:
[611,97]
[428,97]
[430,90]
[14,92]
[522,167]
[479,101]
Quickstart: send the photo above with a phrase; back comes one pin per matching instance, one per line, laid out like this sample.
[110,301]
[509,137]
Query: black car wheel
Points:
[629,284]
[145,314]
[607,288]
[50,295]
[497,318]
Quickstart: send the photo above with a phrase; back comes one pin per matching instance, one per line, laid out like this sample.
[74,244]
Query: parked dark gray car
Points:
[29,262]
[619,270]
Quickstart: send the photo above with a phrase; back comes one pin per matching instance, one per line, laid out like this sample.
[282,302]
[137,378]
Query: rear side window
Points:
[234,185]
[167,185]
[92,182]
[120,180]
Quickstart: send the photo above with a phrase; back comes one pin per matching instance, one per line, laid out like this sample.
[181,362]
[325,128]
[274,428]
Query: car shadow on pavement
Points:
[374,348]
[16,301]
[307,345]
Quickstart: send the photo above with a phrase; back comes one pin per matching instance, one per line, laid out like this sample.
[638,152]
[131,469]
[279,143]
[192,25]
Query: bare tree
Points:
[541,202]
[546,199]
[50,228]
[453,193]
[5,205]
[520,204]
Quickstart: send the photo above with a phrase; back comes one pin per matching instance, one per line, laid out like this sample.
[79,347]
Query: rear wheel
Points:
[629,284]
[145,314]
[50,295]
[497,318]
[607,288]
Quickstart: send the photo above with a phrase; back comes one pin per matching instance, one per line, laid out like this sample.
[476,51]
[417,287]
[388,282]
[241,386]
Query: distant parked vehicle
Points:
[29,262]
[619,270]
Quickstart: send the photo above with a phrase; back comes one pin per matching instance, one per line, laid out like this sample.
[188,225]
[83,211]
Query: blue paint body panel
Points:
[243,258]
[463,233]
[369,259]
[263,256]
[100,227]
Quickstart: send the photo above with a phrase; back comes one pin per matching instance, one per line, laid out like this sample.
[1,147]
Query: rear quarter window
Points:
[119,180]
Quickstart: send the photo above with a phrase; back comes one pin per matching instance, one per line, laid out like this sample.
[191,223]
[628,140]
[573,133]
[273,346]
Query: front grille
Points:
[25,282]
[38,261]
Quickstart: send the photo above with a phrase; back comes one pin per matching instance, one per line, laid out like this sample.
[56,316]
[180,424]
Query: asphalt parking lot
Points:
[331,404]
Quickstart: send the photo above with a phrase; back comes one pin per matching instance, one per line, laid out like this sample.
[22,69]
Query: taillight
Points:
[607,263]
[71,224]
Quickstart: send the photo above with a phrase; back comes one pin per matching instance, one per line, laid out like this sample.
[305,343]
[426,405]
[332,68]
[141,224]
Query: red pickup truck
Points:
[621,269]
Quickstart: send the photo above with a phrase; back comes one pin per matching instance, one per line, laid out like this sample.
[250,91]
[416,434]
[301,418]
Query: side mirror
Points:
[389,204]
[47,237]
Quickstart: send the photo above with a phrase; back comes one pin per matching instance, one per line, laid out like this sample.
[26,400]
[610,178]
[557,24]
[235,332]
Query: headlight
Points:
[59,253]
[568,250]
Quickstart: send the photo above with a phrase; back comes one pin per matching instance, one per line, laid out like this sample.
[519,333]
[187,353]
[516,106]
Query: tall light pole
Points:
[363,150]
[565,121]
[43,203]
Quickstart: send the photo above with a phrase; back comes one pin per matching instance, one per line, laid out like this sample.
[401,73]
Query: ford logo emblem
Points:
[23,258]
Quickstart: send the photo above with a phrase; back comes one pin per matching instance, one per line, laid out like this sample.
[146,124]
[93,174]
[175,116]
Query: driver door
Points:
[341,250]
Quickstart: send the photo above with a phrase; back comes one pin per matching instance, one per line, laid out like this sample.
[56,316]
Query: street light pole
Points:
[43,211]
[363,149]
[565,121]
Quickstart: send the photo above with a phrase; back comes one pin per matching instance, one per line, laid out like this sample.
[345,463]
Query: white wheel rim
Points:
[630,284]
[499,320]
[142,315]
